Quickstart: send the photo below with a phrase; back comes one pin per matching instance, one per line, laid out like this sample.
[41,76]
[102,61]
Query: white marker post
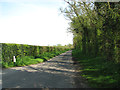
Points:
[14,59]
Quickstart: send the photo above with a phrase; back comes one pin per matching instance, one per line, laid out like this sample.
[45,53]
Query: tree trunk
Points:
[84,42]
[96,43]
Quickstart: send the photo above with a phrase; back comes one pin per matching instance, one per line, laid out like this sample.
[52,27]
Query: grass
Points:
[23,61]
[99,72]
[49,55]
[28,60]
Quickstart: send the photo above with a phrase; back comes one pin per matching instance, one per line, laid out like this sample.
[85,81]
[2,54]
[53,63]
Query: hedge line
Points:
[20,50]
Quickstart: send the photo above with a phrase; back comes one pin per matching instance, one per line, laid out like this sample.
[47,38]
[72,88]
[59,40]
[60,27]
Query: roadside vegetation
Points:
[98,72]
[23,61]
[28,54]
[96,30]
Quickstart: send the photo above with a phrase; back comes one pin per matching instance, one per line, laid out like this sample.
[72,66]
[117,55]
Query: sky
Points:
[33,22]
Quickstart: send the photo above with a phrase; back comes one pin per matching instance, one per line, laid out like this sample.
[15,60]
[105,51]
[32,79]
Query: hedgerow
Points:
[22,50]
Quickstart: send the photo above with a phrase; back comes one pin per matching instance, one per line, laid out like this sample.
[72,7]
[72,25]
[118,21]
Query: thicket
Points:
[22,51]
[96,30]
[97,71]
[0,55]
[95,26]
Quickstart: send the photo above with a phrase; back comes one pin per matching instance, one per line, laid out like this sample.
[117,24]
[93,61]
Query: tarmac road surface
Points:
[58,72]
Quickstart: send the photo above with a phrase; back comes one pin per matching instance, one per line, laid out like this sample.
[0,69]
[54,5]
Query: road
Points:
[58,72]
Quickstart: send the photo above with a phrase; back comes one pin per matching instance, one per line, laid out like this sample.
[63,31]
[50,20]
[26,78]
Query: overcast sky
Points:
[33,22]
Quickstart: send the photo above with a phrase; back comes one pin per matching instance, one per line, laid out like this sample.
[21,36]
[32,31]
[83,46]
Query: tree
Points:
[95,26]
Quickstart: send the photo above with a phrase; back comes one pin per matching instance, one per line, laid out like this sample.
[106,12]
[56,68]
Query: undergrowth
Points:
[28,60]
[99,72]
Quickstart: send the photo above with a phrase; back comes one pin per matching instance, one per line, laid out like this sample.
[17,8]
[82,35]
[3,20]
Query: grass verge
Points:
[99,72]
[28,60]
[23,61]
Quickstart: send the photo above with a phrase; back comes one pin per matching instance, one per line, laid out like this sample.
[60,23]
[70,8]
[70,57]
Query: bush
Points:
[28,54]
[27,60]
[98,71]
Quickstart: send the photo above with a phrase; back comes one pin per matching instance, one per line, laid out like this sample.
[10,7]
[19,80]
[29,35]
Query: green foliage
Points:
[98,71]
[96,30]
[28,54]
[22,61]
[95,27]
[0,54]
[49,55]
[5,64]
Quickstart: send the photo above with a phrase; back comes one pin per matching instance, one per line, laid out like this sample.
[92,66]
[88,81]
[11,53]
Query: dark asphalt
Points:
[59,72]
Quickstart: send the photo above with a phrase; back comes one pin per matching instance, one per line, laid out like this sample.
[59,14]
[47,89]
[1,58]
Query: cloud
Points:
[29,1]
[0,11]
[18,1]
[35,25]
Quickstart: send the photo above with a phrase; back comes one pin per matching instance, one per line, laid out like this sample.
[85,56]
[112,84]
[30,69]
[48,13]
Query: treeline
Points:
[96,28]
[21,50]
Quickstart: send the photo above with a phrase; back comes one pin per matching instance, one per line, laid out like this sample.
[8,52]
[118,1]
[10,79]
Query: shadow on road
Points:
[60,72]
